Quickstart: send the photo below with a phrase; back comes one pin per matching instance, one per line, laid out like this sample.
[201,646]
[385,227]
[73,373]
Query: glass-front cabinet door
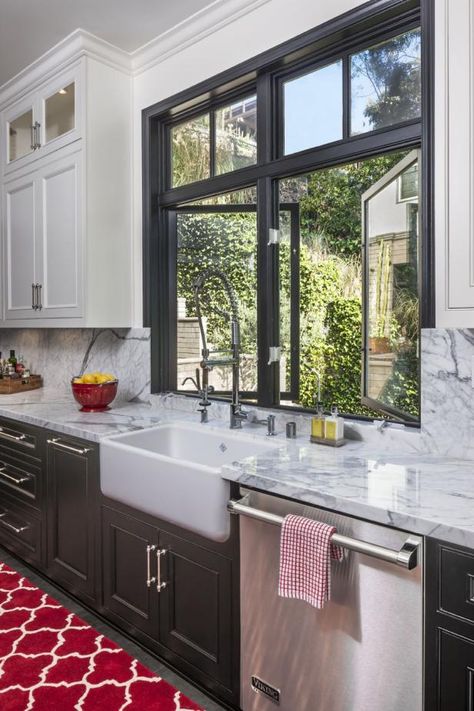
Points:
[44,121]
[20,131]
[59,112]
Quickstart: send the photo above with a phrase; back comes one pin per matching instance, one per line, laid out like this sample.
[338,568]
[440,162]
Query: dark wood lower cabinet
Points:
[196,606]
[128,591]
[176,592]
[449,628]
[72,510]
[177,595]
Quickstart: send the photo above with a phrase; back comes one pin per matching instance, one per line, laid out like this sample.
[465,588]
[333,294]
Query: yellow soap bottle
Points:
[334,427]
[318,424]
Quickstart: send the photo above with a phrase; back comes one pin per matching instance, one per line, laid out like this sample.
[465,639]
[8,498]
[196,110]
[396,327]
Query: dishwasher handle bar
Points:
[405,557]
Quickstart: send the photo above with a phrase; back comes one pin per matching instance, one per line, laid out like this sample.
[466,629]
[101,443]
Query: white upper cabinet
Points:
[67,193]
[454,163]
[44,120]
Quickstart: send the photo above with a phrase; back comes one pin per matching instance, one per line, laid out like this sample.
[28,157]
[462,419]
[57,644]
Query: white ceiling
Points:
[30,27]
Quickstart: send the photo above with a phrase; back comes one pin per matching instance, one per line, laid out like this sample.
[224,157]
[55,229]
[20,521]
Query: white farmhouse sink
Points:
[172,471]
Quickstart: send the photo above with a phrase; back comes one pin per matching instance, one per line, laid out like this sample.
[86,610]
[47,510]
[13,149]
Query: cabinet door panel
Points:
[60,246]
[20,220]
[72,503]
[195,606]
[125,570]
[456,680]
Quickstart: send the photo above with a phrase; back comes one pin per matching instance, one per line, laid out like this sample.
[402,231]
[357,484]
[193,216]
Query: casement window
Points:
[305,176]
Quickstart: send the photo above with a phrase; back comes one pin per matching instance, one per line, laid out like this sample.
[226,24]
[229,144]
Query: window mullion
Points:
[267,296]
[212,143]
[346,97]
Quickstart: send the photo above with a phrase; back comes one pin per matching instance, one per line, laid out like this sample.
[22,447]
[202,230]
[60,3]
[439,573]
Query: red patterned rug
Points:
[51,660]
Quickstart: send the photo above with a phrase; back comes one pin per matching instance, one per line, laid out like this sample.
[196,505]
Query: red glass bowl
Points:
[94,397]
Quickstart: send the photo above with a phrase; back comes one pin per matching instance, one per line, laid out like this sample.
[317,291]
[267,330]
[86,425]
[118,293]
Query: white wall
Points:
[264,27]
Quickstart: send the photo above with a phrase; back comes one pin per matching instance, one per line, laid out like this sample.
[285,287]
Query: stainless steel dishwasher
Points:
[363,651]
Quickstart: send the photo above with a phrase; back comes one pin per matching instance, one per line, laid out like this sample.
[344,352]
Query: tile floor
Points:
[147,659]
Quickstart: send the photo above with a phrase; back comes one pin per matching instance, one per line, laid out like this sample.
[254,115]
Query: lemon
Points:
[109,376]
[78,380]
[88,378]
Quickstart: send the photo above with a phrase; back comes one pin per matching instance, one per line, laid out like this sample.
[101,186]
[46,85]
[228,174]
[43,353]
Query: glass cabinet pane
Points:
[236,135]
[313,108]
[190,151]
[59,113]
[20,136]
[386,83]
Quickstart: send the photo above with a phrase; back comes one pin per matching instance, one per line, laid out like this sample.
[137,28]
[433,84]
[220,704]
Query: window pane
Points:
[190,151]
[386,83]
[321,287]
[19,136]
[392,229]
[59,112]
[313,109]
[236,135]
[227,241]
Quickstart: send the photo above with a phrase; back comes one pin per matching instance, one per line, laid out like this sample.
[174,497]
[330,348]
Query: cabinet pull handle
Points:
[33,137]
[7,435]
[37,135]
[34,304]
[149,578]
[11,526]
[159,584]
[16,480]
[62,445]
[39,302]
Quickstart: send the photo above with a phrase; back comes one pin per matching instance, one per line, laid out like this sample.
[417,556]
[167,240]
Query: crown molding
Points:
[78,44]
[210,19]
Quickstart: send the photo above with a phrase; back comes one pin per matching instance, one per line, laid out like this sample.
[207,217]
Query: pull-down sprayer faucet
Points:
[237,415]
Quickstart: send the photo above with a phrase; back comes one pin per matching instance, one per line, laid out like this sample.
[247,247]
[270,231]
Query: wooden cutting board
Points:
[9,386]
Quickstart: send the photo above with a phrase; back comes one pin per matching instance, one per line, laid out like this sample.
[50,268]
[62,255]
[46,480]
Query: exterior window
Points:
[236,135]
[313,108]
[190,151]
[320,231]
[392,327]
[321,287]
[220,236]
[386,83]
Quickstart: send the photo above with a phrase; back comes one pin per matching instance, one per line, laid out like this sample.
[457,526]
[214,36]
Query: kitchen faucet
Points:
[237,415]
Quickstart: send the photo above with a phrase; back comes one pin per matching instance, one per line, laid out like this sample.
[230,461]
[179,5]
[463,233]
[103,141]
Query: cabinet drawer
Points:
[20,479]
[18,437]
[20,531]
[456,583]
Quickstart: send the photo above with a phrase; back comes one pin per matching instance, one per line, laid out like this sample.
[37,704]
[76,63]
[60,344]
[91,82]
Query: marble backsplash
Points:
[59,354]
[447,394]
[447,401]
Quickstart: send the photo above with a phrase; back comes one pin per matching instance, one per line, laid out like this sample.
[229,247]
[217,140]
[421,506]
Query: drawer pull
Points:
[62,445]
[16,438]
[11,526]
[16,480]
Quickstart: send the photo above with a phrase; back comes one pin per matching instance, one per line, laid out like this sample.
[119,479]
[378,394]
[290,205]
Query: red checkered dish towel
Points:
[305,560]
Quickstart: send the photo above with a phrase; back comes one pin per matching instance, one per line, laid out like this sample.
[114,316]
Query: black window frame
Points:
[343,36]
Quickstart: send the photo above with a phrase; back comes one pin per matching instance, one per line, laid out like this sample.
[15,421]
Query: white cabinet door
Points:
[20,232]
[454,163]
[59,241]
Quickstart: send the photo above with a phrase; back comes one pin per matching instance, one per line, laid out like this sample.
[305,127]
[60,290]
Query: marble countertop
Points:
[399,486]
[421,493]
[59,412]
